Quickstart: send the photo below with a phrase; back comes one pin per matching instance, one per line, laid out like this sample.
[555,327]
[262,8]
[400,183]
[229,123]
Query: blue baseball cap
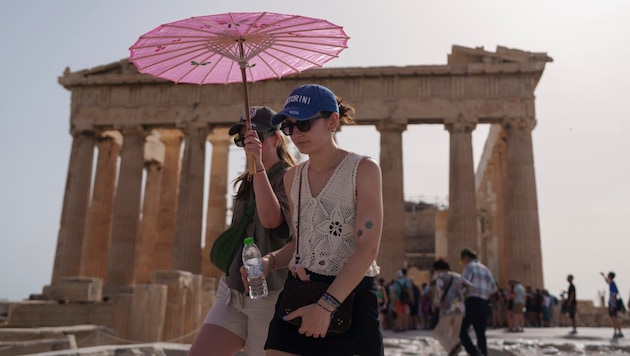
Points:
[305,102]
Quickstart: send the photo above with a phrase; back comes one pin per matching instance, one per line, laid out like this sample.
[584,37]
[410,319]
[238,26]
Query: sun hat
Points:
[306,101]
[260,117]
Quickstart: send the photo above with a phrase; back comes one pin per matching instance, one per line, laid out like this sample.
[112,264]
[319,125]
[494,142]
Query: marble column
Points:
[126,216]
[167,215]
[148,231]
[217,197]
[187,244]
[392,251]
[75,205]
[153,158]
[462,209]
[99,221]
[522,206]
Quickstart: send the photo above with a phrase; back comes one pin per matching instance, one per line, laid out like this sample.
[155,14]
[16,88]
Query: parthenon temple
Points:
[131,239]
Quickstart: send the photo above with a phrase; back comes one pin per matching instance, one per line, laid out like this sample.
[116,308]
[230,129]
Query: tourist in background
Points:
[546,308]
[383,301]
[336,203]
[612,303]
[564,310]
[453,290]
[571,303]
[498,305]
[402,295]
[477,302]
[235,321]
[518,305]
[414,306]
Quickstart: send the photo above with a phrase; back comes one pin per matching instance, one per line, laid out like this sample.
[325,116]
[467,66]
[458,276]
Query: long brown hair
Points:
[282,150]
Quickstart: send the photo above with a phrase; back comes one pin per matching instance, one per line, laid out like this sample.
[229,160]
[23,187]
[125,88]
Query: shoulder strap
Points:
[297,233]
[447,288]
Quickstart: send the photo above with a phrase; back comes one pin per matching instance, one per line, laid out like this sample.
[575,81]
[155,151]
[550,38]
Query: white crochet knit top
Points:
[327,221]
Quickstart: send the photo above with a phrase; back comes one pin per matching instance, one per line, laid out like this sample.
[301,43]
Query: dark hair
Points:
[344,113]
[441,265]
[611,275]
[467,252]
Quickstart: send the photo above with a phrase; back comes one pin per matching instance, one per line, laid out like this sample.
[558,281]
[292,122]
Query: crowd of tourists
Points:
[408,306]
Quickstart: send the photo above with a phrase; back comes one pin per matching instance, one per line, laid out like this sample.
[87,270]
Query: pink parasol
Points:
[237,47]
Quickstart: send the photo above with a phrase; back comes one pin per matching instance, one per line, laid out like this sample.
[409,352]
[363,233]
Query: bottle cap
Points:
[248,240]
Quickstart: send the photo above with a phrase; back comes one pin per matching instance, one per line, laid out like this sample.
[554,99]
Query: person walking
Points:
[337,216]
[571,304]
[401,295]
[518,305]
[453,289]
[383,301]
[613,294]
[235,322]
[477,302]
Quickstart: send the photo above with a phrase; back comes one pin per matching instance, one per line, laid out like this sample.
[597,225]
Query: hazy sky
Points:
[580,142]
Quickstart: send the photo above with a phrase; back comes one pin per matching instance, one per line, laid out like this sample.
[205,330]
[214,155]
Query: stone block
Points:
[43,313]
[66,342]
[172,278]
[84,335]
[75,289]
[179,287]
[147,313]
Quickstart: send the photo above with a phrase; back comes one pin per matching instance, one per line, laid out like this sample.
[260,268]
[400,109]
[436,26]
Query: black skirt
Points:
[363,338]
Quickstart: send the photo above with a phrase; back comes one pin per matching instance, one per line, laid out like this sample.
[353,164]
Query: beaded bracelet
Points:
[326,309]
[331,300]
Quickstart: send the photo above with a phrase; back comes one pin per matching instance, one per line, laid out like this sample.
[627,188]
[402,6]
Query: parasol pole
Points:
[251,165]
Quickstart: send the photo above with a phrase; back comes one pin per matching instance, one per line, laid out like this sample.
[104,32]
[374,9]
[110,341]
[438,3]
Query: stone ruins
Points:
[129,253]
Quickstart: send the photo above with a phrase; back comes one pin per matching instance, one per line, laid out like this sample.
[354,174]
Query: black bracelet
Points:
[260,170]
[331,300]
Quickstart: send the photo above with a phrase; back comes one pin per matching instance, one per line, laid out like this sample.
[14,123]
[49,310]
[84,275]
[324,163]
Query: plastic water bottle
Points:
[254,267]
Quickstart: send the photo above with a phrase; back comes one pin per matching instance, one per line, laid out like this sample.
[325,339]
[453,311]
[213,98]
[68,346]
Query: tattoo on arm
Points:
[368,224]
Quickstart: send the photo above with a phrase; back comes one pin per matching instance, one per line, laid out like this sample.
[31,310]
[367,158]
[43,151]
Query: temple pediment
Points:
[461,61]
[465,55]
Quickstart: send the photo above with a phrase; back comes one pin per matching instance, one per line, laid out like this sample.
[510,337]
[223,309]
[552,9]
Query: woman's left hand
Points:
[315,320]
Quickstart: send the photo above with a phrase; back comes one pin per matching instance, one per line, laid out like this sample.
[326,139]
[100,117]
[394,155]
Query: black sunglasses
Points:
[239,140]
[287,126]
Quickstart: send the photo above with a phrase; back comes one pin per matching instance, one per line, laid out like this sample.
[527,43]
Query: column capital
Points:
[519,123]
[86,131]
[220,135]
[460,124]
[387,125]
[110,135]
[170,136]
[149,164]
[136,130]
[460,127]
[194,130]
